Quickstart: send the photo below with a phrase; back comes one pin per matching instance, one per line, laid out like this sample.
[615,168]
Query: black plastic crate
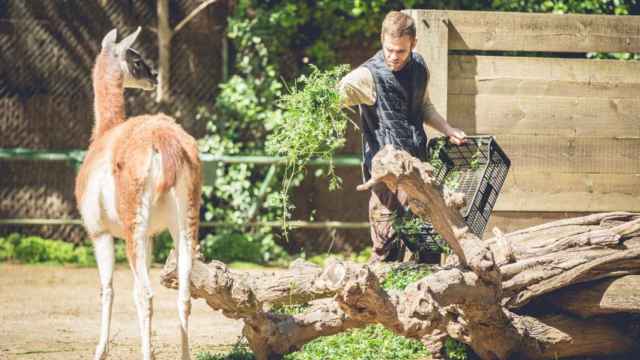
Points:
[478,169]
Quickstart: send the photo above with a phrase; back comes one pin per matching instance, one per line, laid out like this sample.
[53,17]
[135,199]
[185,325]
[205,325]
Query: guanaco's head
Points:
[136,72]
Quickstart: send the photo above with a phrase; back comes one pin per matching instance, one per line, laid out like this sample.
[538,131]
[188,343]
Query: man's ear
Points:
[413,43]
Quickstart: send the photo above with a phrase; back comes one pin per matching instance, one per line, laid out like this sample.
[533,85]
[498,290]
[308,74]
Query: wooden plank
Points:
[549,191]
[509,31]
[582,70]
[536,76]
[546,115]
[432,43]
[565,154]
[549,182]
[571,201]
[507,95]
[538,87]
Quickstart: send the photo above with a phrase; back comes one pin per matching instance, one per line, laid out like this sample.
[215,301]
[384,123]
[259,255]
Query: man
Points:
[390,89]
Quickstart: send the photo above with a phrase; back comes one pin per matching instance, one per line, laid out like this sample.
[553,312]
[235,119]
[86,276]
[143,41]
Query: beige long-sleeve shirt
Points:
[358,87]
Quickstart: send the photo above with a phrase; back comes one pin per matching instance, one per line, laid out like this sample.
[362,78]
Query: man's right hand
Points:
[456,136]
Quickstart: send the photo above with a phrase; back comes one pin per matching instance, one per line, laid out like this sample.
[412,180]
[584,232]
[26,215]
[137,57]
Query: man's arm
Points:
[433,118]
[357,88]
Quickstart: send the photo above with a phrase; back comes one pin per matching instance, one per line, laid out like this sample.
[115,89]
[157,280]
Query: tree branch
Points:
[192,14]
[406,175]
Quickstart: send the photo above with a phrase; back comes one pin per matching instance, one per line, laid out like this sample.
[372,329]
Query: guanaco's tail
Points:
[177,150]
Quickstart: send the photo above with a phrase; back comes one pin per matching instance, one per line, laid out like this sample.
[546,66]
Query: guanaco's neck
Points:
[108,90]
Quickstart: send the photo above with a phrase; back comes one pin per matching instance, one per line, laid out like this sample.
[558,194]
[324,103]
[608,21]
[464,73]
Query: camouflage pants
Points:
[384,206]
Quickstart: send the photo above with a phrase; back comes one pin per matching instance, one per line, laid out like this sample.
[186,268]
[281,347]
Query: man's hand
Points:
[456,135]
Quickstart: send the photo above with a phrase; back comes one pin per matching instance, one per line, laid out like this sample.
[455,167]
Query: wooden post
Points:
[432,33]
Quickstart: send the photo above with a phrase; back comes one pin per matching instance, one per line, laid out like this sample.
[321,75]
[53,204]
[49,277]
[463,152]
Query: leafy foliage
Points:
[230,246]
[456,350]
[312,125]
[37,250]
[34,250]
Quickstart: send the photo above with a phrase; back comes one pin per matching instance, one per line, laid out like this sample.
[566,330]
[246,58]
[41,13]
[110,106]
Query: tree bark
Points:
[165,34]
[603,297]
[581,270]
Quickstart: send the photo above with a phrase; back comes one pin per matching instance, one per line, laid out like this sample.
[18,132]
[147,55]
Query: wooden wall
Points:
[570,125]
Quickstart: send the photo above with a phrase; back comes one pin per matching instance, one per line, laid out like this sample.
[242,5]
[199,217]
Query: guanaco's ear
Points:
[110,39]
[126,43]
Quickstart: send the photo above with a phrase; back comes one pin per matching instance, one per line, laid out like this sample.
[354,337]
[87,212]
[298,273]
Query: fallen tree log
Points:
[489,298]
[609,296]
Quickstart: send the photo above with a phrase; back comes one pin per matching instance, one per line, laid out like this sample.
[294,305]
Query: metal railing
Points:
[75,157]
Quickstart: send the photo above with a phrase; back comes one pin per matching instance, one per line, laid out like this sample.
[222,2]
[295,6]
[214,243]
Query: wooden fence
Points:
[571,125]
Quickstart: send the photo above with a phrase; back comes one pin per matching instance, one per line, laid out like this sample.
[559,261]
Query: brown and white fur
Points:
[139,177]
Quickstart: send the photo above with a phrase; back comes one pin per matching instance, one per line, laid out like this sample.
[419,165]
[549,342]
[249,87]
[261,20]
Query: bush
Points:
[34,250]
[232,245]
[8,247]
[162,246]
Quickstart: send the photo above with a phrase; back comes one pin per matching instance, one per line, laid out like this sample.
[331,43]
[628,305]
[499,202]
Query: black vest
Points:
[396,116]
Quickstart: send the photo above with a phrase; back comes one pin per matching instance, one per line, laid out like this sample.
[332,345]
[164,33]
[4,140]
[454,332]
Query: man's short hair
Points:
[397,25]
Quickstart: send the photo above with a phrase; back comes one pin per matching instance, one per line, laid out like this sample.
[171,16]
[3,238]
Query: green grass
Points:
[290,309]
[371,343]
[240,351]
[400,278]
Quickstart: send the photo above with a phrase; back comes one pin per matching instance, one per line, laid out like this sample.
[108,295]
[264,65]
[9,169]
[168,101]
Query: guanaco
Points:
[139,177]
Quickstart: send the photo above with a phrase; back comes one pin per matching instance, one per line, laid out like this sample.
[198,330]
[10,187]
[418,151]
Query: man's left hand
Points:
[456,136]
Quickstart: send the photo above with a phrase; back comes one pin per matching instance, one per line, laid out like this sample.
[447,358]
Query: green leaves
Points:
[312,125]
[36,250]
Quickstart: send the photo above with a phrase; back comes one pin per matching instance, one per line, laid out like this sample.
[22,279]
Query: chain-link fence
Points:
[47,50]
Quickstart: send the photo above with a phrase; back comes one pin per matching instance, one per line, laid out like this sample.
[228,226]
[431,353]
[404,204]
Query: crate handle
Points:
[485,196]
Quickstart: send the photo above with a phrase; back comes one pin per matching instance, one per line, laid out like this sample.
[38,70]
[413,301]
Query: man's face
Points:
[397,51]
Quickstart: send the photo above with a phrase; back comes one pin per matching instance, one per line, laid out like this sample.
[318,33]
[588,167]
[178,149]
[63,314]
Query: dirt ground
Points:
[52,312]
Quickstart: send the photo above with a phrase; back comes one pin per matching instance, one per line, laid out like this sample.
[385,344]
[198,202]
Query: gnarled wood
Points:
[478,299]
[401,172]
[608,296]
[452,302]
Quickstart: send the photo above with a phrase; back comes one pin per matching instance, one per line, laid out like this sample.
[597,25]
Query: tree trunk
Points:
[165,34]
[556,290]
